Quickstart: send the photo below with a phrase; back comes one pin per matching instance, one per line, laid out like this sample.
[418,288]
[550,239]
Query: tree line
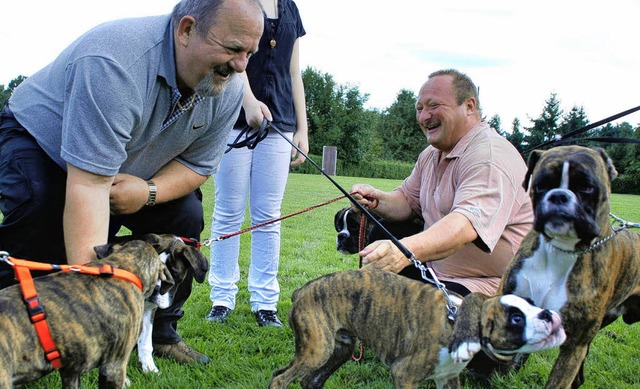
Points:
[337,117]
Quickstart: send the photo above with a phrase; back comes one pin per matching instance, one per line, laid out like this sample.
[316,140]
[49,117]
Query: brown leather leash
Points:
[36,311]
[362,237]
[207,242]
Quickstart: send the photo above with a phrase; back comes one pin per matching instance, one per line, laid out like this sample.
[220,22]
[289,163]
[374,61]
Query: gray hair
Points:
[463,87]
[203,11]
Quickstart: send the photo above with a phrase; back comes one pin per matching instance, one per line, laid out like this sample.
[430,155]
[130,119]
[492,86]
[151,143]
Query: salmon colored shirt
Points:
[481,178]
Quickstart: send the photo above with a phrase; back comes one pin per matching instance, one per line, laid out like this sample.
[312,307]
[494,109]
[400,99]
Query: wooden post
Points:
[329,159]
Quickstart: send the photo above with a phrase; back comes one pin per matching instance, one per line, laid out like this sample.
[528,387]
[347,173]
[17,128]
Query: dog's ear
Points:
[611,169]
[194,257]
[534,157]
[104,250]
[166,280]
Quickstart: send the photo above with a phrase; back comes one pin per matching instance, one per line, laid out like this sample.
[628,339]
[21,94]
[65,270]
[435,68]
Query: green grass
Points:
[244,355]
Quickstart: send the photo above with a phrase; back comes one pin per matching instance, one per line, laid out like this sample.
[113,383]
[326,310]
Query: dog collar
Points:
[593,246]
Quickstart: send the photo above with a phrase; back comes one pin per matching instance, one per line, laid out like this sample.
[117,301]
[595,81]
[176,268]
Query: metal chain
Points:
[451,307]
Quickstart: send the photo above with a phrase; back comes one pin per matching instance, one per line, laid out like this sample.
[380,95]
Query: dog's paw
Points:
[148,366]
[465,351]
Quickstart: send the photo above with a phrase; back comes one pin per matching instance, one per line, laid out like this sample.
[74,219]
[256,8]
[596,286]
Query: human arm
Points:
[301,136]
[86,213]
[392,206]
[254,110]
[129,193]
[439,241]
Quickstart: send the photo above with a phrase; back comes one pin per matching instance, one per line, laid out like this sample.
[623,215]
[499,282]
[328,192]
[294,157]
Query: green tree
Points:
[575,119]
[402,137]
[336,116]
[6,93]
[546,127]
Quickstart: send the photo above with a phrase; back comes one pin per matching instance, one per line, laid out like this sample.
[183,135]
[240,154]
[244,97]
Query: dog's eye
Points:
[586,190]
[516,319]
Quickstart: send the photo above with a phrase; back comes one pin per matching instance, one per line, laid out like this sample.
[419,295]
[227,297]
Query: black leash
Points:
[252,140]
[563,139]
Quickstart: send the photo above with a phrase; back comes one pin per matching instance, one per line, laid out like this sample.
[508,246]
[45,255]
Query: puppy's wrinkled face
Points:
[511,325]
[569,190]
[347,225]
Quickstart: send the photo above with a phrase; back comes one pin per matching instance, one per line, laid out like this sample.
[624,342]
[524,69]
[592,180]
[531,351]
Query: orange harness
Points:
[37,314]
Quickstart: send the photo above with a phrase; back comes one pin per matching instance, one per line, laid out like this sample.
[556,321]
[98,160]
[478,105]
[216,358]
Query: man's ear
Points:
[186,28]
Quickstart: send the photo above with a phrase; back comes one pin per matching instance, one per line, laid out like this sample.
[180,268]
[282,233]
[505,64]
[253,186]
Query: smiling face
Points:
[206,62]
[442,119]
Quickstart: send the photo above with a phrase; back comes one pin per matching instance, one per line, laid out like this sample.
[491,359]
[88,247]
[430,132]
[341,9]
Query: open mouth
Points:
[432,125]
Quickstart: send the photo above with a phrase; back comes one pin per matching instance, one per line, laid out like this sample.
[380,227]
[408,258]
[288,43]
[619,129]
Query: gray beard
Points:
[208,87]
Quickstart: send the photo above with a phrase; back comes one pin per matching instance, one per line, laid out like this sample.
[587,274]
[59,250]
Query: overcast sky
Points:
[518,54]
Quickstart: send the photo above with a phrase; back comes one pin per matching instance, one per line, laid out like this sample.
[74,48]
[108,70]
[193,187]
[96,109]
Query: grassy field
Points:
[244,355]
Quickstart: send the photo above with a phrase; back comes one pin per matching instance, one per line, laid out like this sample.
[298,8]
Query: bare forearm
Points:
[442,239]
[175,181]
[86,214]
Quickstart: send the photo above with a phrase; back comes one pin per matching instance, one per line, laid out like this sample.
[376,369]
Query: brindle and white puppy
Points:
[572,261]
[405,322]
[94,321]
[179,259]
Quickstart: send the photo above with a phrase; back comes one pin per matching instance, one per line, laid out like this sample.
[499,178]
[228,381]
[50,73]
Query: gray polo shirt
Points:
[101,105]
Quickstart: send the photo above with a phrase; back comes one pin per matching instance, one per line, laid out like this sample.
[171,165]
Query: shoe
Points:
[268,318]
[219,314]
[180,352]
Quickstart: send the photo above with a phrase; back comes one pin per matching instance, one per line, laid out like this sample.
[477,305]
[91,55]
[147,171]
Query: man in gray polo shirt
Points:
[121,130]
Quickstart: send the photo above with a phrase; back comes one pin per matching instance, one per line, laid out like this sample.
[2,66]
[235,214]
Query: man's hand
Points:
[385,255]
[128,194]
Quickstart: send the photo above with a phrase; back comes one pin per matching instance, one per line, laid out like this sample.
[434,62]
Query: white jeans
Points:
[261,172]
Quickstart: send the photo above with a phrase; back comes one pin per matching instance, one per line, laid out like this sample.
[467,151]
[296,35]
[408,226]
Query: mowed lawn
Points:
[244,355]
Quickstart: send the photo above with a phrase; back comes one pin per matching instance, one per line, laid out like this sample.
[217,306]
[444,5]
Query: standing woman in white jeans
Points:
[273,89]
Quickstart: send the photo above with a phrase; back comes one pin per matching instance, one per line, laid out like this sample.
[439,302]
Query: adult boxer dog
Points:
[179,259]
[405,322]
[94,320]
[572,261]
[348,224]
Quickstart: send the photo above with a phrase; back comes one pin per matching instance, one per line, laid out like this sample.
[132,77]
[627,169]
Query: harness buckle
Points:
[106,270]
[35,309]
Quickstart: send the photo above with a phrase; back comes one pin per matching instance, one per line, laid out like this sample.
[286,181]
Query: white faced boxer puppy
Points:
[405,322]
[572,261]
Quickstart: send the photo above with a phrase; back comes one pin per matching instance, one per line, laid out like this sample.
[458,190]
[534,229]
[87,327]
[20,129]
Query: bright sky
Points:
[518,54]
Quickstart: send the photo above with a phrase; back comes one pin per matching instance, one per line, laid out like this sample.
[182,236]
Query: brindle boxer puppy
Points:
[572,261]
[179,259]
[94,321]
[405,323]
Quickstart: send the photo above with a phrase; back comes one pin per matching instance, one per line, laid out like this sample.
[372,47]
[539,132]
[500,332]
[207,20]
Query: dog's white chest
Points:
[543,277]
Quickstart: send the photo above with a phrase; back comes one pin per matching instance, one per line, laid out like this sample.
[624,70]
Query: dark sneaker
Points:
[268,319]
[219,314]
[180,352]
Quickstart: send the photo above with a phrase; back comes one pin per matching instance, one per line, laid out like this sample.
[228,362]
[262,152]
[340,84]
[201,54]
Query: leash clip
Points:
[452,309]
[4,257]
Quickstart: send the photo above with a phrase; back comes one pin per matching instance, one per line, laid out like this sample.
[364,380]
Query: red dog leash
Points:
[36,311]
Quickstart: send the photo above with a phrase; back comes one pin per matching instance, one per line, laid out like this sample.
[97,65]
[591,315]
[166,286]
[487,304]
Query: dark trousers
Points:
[32,195]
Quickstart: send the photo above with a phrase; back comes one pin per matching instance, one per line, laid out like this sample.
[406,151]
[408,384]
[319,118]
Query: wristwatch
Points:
[153,191]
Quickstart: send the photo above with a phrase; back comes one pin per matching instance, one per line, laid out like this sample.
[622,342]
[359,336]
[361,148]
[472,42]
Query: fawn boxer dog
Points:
[405,322]
[93,320]
[179,258]
[572,261]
